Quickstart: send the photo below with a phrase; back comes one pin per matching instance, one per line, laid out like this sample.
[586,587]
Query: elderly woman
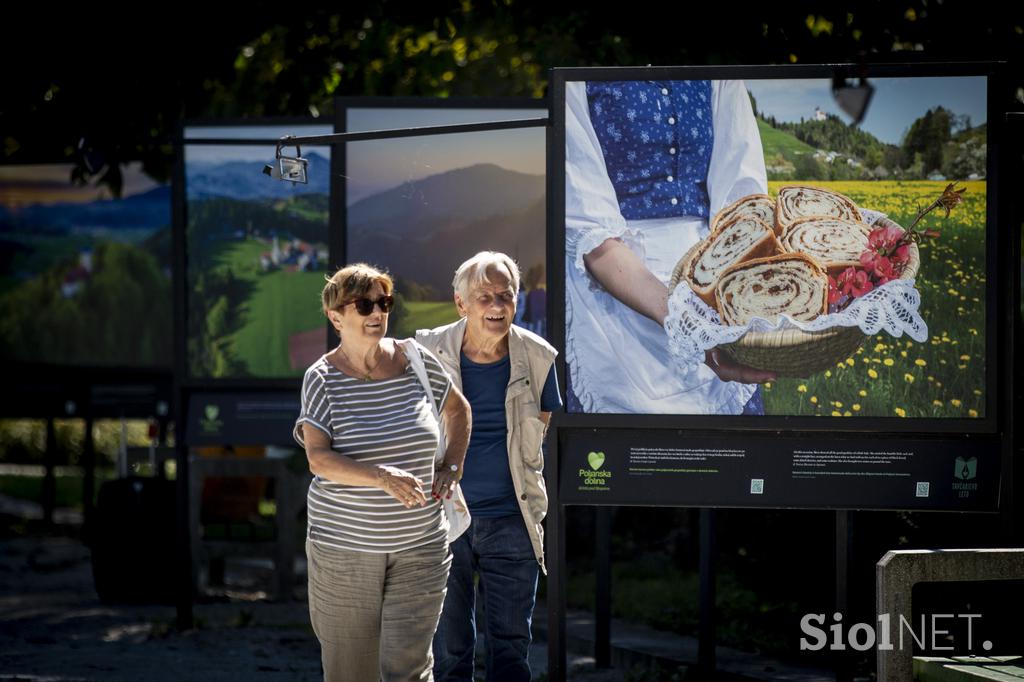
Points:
[377,546]
[507,374]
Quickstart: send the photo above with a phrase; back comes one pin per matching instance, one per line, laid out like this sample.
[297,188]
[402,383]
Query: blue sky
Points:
[897,102]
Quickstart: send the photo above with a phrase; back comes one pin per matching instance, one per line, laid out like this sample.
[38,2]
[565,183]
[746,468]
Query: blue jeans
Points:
[500,552]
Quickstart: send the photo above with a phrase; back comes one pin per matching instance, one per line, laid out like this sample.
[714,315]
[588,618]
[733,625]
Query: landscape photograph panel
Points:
[86,274]
[418,207]
[900,195]
[257,252]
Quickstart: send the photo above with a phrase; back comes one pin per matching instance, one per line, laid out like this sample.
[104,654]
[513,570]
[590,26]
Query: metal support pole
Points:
[49,494]
[842,573]
[603,587]
[88,473]
[556,561]
[707,640]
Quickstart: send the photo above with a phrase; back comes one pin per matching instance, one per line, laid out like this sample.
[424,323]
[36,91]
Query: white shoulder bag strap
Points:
[455,508]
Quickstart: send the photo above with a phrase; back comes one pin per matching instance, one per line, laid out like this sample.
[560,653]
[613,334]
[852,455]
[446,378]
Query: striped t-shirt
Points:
[380,422]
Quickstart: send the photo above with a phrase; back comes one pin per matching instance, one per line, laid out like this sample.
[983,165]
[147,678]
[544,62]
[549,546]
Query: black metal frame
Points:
[185,378]
[186,386]
[336,227]
[1002,319]
[88,392]
[996,239]
[339,159]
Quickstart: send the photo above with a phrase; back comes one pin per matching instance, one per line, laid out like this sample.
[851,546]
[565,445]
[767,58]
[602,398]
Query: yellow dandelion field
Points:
[945,375]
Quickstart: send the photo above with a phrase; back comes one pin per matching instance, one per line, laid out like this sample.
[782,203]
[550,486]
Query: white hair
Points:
[473,272]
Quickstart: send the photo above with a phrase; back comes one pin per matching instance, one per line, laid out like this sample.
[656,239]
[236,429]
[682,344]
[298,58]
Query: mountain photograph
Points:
[257,251]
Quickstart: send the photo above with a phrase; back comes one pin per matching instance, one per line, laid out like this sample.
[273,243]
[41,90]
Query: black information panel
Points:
[634,467]
[257,418]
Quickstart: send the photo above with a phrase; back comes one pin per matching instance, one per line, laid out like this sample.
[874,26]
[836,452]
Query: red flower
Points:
[884,240]
[854,283]
[901,255]
[835,296]
[888,253]
[885,271]
[890,242]
[881,268]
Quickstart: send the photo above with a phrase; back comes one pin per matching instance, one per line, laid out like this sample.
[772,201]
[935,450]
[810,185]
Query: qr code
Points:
[756,486]
[922,488]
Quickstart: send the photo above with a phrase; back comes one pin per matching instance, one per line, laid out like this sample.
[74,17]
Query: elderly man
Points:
[507,374]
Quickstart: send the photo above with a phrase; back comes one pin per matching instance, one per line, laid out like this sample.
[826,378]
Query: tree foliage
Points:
[120,315]
[100,90]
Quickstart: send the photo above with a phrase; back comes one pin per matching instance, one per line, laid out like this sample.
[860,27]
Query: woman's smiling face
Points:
[351,325]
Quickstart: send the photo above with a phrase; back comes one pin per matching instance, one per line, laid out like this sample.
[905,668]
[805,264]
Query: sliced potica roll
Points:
[790,283]
[741,239]
[800,201]
[760,206]
[833,242]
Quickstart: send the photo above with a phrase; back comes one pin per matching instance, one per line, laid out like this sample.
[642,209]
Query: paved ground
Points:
[53,627]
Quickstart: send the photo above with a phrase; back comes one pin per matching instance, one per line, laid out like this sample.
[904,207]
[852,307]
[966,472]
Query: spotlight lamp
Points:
[290,168]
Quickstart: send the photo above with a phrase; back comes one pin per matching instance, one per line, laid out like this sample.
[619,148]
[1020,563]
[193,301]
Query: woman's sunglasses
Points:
[364,306]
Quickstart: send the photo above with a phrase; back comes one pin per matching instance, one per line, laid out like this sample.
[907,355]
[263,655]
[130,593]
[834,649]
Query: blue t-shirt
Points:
[487,480]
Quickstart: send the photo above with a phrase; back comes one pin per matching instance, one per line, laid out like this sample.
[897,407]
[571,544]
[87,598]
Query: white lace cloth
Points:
[693,327]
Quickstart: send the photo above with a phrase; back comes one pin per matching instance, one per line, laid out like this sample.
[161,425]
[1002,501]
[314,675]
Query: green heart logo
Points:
[211,412]
[595,459]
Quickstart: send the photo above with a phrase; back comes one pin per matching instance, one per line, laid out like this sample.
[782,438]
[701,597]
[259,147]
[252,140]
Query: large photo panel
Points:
[256,254]
[420,206]
[742,247]
[86,274]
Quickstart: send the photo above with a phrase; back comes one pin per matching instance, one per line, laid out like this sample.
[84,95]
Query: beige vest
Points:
[530,358]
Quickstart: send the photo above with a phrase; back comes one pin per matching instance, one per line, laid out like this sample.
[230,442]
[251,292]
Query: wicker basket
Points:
[793,352]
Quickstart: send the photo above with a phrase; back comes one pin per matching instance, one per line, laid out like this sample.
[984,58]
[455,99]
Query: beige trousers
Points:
[375,614]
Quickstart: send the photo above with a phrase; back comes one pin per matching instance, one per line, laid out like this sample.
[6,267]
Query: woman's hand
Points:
[727,369]
[444,482]
[401,485]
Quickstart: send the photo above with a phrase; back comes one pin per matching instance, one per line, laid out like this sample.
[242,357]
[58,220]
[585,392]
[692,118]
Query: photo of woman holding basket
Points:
[647,165]
[713,271]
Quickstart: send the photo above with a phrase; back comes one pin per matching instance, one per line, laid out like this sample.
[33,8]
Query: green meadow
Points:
[898,377]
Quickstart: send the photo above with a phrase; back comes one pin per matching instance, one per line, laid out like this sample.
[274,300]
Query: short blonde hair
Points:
[351,282]
[473,272]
